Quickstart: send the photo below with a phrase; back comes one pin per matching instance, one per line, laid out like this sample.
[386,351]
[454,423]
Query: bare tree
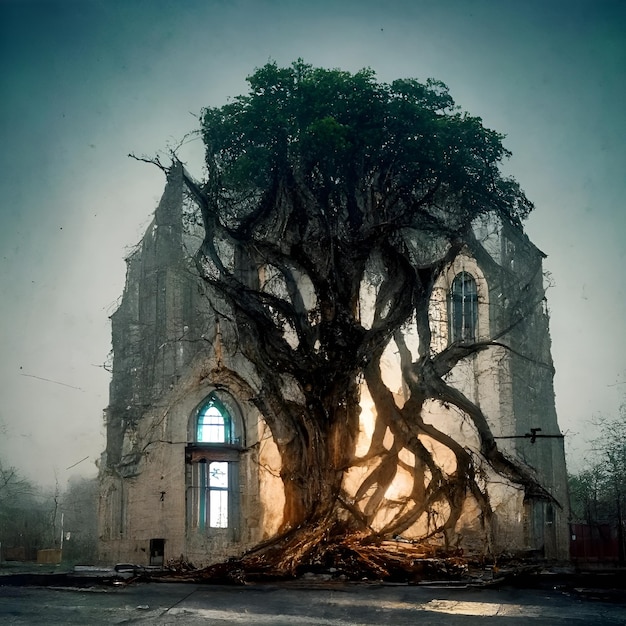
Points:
[25,514]
[598,492]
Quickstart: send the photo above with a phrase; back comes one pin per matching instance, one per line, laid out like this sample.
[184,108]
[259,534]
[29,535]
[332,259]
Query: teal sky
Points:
[85,82]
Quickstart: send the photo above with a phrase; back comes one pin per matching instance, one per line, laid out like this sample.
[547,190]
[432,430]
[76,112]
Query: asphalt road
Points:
[315,604]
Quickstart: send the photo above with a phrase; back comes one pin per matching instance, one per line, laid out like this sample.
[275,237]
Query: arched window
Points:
[213,458]
[463,308]
[214,422]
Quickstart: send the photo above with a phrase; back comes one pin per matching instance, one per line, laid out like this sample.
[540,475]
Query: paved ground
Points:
[299,603]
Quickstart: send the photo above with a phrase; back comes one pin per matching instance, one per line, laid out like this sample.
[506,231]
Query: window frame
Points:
[462,307]
[226,424]
[200,455]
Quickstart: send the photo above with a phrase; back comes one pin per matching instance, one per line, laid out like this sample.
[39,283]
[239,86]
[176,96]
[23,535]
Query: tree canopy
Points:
[326,192]
[370,153]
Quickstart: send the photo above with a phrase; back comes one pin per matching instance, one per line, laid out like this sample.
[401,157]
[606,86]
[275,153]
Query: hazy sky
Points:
[85,82]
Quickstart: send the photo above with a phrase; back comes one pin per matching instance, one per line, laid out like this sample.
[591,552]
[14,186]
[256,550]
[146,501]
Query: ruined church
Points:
[192,469]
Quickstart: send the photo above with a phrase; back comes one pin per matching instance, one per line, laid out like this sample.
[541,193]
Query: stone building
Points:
[190,467]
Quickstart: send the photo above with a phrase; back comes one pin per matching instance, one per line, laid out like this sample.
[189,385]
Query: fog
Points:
[84,83]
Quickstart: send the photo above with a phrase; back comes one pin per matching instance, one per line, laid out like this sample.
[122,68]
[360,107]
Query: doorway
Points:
[157,551]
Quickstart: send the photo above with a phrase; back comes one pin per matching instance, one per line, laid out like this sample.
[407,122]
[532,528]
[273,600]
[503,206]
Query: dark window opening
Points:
[463,308]
[157,551]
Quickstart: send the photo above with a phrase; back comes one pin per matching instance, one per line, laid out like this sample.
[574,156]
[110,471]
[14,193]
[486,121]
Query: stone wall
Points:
[170,354]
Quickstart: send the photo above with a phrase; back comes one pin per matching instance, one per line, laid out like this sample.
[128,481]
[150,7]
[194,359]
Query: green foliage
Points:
[342,135]
[326,189]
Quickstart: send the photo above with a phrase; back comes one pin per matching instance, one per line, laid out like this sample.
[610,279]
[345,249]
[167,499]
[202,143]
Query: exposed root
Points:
[348,557]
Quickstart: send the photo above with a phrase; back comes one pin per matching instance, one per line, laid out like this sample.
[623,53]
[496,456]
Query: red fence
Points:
[594,542]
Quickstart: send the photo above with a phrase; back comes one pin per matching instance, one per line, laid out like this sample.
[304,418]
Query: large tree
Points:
[324,186]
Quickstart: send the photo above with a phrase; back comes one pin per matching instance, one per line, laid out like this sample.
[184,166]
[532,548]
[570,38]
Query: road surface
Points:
[301,603]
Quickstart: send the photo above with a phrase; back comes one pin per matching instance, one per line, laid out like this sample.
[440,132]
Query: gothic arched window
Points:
[463,308]
[213,467]
[214,422]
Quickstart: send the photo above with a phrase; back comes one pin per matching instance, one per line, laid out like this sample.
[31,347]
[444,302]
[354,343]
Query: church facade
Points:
[191,468]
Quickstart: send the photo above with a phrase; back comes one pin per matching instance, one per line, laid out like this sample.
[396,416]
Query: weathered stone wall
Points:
[165,344]
[170,354]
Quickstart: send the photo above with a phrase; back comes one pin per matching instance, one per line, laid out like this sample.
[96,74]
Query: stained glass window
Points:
[214,423]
